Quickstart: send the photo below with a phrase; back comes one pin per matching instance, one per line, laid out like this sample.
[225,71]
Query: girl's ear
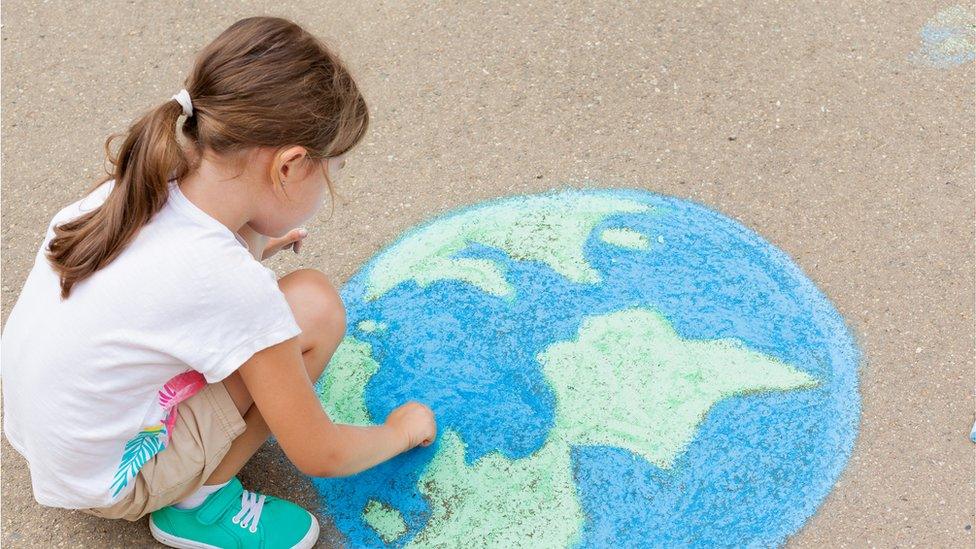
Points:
[287,162]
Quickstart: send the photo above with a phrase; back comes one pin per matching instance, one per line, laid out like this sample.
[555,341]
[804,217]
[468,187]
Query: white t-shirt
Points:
[90,383]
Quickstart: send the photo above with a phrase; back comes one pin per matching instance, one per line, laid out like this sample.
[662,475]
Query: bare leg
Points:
[321,316]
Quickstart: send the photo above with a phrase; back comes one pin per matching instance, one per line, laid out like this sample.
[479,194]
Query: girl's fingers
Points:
[292,240]
[300,234]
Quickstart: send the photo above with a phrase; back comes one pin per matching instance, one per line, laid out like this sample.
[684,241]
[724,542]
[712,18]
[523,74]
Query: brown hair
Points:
[264,81]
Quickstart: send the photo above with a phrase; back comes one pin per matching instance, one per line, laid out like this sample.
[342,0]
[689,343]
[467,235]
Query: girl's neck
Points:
[222,196]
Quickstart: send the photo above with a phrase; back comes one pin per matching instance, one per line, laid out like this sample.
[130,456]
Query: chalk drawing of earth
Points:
[608,368]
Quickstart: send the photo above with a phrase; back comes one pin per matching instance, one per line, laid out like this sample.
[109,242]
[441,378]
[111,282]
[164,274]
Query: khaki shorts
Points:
[206,424]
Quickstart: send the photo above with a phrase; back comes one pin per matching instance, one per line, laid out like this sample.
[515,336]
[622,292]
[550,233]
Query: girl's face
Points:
[302,194]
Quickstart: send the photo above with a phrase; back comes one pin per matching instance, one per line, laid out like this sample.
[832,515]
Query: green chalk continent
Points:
[344,382]
[625,238]
[387,521]
[551,229]
[629,381]
[499,502]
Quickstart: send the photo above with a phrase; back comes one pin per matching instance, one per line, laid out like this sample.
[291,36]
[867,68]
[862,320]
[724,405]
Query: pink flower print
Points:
[176,390]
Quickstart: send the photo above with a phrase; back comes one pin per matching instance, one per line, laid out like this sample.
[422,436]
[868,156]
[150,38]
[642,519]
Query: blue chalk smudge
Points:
[948,39]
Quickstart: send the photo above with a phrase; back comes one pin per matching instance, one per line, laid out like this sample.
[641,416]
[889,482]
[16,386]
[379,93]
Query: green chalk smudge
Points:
[370,326]
[625,238]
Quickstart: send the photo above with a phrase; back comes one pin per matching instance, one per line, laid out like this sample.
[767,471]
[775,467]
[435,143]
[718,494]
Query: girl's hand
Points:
[255,241]
[291,240]
[415,422]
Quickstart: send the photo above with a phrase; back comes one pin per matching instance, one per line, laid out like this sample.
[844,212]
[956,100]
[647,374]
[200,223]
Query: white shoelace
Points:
[250,512]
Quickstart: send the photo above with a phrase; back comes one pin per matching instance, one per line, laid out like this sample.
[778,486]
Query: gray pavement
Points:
[812,124]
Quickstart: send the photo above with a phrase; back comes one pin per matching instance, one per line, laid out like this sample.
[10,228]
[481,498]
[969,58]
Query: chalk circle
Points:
[607,368]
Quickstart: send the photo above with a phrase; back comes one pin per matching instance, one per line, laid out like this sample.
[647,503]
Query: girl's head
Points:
[264,89]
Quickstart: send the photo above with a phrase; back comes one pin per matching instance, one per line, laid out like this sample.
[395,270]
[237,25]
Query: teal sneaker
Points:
[235,517]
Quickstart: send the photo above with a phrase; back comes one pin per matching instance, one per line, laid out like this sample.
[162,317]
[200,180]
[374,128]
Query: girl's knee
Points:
[315,302]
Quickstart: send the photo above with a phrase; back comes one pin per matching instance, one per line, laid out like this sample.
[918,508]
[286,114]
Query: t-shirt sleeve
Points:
[240,312]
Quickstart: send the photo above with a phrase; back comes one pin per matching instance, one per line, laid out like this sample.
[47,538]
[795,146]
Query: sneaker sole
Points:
[182,543]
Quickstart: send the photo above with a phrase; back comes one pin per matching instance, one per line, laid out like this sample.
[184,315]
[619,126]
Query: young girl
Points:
[150,353]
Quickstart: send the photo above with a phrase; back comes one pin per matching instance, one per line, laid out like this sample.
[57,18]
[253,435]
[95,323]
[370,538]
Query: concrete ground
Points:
[812,124]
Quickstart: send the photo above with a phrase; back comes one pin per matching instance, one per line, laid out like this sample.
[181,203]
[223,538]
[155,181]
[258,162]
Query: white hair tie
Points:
[184,99]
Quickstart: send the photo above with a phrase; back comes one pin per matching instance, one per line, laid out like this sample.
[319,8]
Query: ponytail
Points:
[149,157]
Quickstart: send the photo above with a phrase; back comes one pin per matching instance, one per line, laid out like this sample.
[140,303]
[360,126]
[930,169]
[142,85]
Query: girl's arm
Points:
[282,391]
[256,242]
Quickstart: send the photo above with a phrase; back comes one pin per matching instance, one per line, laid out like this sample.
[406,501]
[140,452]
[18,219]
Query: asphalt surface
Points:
[815,125]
